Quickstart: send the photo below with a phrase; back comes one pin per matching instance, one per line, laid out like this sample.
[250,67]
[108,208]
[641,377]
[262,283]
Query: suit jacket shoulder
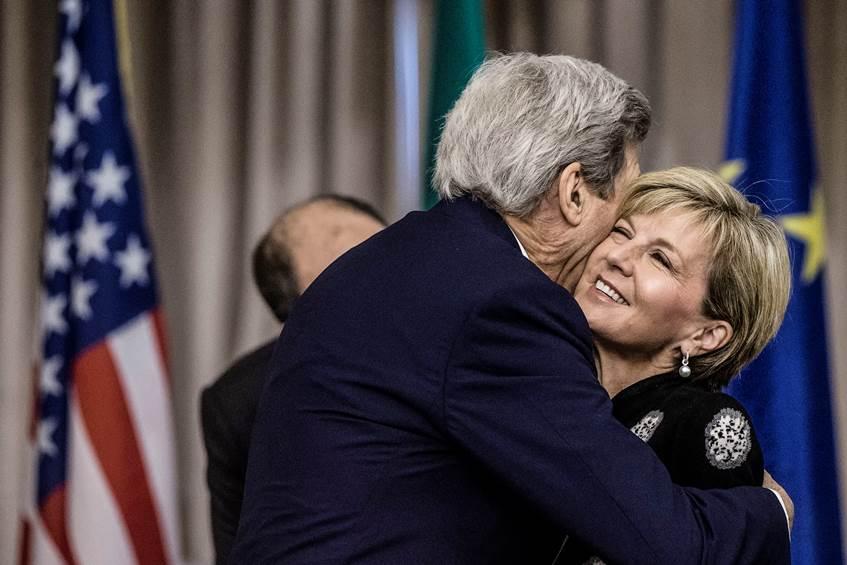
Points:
[234,396]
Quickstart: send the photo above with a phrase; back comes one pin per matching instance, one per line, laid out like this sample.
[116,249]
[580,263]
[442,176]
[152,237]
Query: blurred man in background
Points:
[300,244]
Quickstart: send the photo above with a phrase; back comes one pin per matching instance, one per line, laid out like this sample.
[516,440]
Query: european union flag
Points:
[770,152]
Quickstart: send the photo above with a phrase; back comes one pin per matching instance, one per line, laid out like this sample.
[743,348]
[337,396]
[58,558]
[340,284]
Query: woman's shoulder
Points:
[717,432]
[704,437]
[698,402]
[677,400]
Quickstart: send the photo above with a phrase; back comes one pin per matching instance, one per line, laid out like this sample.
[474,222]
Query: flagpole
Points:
[124,50]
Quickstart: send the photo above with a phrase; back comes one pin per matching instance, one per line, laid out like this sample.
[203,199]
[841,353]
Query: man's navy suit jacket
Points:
[433,400]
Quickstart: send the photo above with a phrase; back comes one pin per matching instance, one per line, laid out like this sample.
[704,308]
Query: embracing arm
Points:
[521,396]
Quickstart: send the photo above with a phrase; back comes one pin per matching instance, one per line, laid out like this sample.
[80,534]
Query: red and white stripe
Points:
[119,503]
[37,544]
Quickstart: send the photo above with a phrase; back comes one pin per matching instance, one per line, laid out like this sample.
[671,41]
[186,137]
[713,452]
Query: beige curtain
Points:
[241,108]
[25,113]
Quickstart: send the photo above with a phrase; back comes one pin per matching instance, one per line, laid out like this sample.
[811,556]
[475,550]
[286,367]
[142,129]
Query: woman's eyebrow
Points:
[662,242]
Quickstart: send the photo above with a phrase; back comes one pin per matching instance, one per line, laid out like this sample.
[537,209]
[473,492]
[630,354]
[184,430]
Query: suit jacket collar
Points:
[475,214]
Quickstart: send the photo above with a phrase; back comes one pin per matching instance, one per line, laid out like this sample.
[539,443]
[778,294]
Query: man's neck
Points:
[547,249]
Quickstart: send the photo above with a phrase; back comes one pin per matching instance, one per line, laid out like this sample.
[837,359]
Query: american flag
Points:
[104,475]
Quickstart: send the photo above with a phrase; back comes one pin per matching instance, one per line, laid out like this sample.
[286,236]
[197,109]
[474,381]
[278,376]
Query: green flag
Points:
[458,49]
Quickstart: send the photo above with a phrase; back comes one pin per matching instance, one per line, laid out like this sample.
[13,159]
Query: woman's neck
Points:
[618,370]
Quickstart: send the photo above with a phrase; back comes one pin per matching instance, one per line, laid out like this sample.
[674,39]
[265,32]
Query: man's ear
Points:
[711,337]
[572,192]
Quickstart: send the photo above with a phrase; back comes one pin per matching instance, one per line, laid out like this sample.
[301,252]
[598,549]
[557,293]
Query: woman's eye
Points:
[621,230]
[660,257]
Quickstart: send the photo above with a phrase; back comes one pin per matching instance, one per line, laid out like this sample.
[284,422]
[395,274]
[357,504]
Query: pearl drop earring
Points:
[685,370]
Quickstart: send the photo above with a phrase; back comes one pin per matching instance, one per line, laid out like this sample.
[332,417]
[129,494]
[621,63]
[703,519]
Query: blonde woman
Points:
[686,290]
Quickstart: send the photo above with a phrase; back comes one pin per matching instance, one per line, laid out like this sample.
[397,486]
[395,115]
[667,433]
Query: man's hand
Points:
[768,482]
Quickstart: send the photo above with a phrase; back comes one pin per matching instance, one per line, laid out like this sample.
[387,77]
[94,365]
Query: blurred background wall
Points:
[241,108]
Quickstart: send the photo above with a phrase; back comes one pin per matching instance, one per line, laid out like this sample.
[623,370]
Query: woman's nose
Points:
[620,258]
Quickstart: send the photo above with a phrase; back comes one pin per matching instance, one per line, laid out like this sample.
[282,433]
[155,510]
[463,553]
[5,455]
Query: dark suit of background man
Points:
[299,245]
[433,397]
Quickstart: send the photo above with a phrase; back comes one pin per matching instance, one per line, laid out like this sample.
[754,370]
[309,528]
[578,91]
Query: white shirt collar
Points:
[523,251]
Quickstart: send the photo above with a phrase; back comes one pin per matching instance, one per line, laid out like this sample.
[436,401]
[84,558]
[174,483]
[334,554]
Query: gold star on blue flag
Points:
[810,229]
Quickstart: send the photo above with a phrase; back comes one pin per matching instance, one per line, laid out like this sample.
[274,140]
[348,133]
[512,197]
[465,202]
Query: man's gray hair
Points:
[523,118]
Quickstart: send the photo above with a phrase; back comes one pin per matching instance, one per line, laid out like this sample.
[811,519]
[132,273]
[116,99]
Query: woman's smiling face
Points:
[643,287]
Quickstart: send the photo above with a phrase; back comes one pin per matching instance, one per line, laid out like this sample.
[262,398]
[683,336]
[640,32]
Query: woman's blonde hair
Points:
[749,279]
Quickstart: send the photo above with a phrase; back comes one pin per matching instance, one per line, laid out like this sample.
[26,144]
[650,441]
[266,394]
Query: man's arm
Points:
[522,396]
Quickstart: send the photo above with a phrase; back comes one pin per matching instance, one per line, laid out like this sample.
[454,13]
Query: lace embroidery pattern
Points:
[647,425]
[728,439]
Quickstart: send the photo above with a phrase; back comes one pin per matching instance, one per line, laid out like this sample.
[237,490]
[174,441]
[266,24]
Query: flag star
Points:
[731,170]
[67,67]
[811,230]
[88,97]
[80,152]
[63,131]
[108,181]
[91,239]
[49,376]
[46,445]
[81,293]
[133,263]
[73,10]
[53,314]
[60,191]
[56,257]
